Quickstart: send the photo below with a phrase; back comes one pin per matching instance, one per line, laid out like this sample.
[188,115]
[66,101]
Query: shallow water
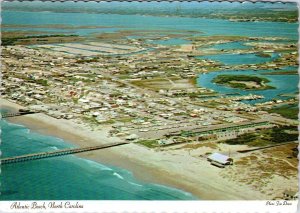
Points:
[236,59]
[68,177]
[237,45]
[173,41]
[285,84]
[142,22]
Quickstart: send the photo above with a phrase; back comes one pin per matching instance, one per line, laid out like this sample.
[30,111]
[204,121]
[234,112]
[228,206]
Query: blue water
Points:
[70,177]
[140,22]
[81,32]
[284,84]
[236,59]
[172,41]
[67,177]
[230,46]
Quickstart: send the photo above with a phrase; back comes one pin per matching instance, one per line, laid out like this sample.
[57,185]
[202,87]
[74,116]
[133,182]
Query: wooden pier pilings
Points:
[41,155]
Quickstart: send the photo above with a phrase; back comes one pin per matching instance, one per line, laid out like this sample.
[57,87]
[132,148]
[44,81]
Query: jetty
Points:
[56,153]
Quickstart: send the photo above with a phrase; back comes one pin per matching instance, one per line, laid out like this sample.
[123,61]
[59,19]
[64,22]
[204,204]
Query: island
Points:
[246,82]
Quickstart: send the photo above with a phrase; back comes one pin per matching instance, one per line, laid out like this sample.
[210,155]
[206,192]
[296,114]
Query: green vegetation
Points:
[42,82]
[110,121]
[226,78]
[281,73]
[257,15]
[243,82]
[264,55]
[148,143]
[12,40]
[287,111]
[266,137]
[89,60]
[211,103]
[217,38]
[90,120]
[124,119]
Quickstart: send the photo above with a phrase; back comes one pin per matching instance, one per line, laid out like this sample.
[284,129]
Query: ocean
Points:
[70,177]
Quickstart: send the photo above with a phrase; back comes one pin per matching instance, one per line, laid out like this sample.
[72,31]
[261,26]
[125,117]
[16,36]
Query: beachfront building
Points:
[219,160]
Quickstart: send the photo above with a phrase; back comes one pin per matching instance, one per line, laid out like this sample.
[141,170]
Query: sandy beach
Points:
[178,169]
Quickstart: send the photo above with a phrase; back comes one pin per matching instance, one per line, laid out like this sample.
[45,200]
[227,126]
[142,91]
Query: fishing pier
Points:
[41,155]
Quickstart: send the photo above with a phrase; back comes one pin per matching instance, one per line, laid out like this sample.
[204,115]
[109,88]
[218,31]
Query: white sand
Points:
[174,168]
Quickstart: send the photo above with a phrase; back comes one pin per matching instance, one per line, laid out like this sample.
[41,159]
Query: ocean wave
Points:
[118,175]
[54,147]
[8,124]
[97,165]
[172,189]
[135,184]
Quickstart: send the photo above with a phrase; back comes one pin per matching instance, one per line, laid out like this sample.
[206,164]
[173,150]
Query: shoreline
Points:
[182,172]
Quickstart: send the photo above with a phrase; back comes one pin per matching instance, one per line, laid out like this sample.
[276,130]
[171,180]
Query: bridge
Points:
[61,152]
[8,115]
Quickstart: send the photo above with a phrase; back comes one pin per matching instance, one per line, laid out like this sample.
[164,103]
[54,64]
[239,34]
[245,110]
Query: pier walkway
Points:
[56,153]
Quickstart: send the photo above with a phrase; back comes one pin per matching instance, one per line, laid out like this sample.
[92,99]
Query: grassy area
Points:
[264,55]
[13,40]
[200,144]
[89,60]
[211,103]
[243,82]
[166,83]
[148,143]
[257,15]
[110,121]
[266,137]
[90,120]
[124,119]
[295,72]
[217,38]
[274,161]
[287,111]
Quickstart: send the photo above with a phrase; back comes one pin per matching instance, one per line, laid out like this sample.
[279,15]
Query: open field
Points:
[157,84]
[275,167]
[90,49]
[287,111]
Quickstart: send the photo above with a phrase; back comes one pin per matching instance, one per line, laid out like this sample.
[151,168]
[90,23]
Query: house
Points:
[220,160]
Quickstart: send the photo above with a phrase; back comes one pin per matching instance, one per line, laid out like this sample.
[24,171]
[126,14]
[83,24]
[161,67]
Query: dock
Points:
[56,153]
